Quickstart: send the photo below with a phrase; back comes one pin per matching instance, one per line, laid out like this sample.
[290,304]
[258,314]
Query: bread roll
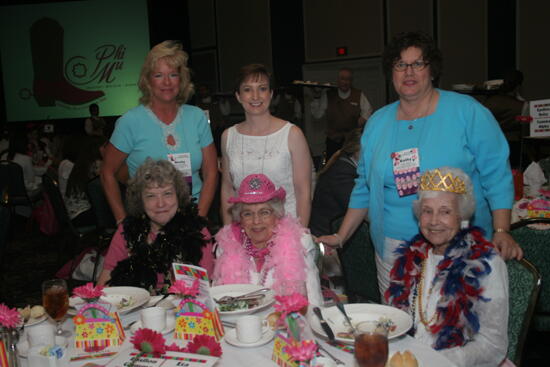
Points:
[37,311]
[405,359]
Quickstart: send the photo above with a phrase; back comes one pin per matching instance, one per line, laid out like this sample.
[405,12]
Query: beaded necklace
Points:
[418,294]
[258,254]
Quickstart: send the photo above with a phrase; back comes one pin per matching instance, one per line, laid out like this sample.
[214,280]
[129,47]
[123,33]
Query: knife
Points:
[324,325]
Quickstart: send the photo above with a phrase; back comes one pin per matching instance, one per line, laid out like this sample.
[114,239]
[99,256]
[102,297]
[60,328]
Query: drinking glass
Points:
[55,299]
[371,344]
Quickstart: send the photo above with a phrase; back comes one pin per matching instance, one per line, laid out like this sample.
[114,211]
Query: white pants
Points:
[384,265]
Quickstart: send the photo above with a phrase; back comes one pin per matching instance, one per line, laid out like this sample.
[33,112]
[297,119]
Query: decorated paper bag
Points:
[97,328]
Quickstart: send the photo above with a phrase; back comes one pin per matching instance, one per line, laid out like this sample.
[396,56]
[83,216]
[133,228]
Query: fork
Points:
[338,362]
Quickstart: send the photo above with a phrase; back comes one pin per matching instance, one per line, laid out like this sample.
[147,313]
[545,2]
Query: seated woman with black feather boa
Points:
[162,227]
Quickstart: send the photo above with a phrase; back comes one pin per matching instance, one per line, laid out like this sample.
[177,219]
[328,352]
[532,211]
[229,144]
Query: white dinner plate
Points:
[125,299]
[235,290]
[358,312]
[231,338]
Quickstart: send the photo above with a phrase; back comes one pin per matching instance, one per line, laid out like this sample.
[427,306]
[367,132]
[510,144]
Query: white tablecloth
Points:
[261,356]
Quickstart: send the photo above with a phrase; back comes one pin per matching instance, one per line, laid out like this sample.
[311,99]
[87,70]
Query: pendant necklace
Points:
[411,126]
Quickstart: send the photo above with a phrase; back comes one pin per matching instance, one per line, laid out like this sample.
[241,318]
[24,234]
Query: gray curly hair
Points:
[466,201]
[150,174]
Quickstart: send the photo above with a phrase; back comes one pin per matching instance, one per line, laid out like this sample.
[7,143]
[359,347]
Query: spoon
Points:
[340,307]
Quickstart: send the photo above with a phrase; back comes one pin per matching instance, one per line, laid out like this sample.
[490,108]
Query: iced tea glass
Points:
[55,299]
[371,344]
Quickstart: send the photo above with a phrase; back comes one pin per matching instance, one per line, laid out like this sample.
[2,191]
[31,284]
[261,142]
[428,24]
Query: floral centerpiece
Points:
[294,345]
[96,327]
[302,352]
[10,319]
[152,343]
[192,316]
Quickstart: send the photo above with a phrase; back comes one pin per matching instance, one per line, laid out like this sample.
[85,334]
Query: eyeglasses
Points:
[263,214]
[417,65]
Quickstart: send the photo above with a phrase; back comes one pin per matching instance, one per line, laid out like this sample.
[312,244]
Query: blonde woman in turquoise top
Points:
[163,127]
[425,129]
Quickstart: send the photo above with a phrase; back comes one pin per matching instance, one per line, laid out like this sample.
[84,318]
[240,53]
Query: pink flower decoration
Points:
[180,287]
[292,303]
[205,345]
[175,348]
[149,341]
[9,317]
[88,292]
[302,351]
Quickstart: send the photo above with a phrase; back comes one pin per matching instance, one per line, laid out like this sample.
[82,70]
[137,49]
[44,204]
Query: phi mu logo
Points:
[56,81]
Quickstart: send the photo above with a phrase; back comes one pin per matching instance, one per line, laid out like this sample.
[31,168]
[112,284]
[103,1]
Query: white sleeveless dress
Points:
[267,154]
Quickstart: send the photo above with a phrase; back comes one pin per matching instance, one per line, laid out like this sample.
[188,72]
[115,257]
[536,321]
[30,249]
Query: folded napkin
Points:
[534,177]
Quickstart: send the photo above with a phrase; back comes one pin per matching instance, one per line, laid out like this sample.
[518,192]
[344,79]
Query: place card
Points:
[169,359]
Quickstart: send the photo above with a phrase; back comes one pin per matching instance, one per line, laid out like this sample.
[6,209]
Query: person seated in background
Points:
[18,153]
[505,106]
[95,125]
[334,185]
[162,227]
[85,168]
[264,246]
[449,278]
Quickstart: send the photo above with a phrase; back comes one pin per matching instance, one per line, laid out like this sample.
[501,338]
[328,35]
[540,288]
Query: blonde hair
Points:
[171,52]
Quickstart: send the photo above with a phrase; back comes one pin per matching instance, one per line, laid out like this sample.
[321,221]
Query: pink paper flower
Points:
[175,348]
[88,292]
[180,287]
[303,351]
[206,345]
[149,341]
[293,303]
[9,317]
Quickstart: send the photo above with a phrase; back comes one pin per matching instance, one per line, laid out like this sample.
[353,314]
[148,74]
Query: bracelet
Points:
[500,230]
[339,239]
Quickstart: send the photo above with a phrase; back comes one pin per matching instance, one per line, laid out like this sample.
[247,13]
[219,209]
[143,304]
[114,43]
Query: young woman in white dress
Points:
[263,143]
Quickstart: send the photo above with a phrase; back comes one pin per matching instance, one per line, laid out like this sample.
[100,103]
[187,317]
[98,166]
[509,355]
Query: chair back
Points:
[51,189]
[536,248]
[100,206]
[524,284]
[357,257]
[5,220]
[13,183]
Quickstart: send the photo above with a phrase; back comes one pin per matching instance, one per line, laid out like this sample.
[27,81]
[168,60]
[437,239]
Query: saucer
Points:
[170,326]
[231,338]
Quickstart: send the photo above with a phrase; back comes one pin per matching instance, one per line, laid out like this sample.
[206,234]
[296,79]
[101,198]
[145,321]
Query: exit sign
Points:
[341,51]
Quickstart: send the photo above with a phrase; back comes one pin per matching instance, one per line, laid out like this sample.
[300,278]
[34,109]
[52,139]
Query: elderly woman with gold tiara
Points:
[449,278]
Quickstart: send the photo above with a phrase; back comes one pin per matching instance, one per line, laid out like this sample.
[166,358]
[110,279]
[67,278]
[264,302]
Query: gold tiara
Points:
[435,181]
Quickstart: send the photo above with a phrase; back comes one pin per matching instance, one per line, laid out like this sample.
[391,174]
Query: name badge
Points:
[182,162]
[406,171]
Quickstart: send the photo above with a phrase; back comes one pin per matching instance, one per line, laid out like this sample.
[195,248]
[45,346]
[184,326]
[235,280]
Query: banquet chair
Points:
[536,248]
[358,265]
[5,221]
[12,181]
[524,285]
[72,235]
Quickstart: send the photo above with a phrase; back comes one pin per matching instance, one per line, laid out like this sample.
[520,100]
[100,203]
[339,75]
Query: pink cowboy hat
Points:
[257,188]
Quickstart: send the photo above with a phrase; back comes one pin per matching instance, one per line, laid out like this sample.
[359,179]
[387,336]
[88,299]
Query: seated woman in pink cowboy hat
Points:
[264,246]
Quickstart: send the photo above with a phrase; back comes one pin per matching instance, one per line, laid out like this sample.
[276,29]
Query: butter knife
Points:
[324,325]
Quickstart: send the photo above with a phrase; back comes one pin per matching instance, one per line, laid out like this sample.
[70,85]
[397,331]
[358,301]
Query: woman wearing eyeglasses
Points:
[264,246]
[425,129]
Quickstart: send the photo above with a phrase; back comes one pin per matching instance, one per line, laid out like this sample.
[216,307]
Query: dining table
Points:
[255,356]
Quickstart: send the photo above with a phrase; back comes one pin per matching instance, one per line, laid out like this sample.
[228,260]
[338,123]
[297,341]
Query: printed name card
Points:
[170,359]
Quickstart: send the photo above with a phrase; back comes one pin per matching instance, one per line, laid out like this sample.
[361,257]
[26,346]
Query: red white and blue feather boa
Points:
[465,263]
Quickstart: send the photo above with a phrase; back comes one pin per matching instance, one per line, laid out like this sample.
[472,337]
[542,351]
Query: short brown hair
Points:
[255,71]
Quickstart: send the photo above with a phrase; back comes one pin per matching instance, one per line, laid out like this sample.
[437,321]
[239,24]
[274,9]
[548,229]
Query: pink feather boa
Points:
[287,257]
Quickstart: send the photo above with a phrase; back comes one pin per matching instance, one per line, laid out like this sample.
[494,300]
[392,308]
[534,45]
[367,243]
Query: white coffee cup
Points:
[249,329]
[154,318]
[41,334]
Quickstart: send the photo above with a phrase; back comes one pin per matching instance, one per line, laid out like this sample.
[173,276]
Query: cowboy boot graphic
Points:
[50,85]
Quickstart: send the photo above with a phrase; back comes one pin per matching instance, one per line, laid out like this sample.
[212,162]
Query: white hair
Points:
[466,202]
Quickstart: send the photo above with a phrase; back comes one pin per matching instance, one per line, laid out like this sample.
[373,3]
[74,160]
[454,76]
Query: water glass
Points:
[371,344]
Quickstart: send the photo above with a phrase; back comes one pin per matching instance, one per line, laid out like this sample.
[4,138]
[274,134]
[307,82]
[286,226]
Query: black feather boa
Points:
[180,240]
